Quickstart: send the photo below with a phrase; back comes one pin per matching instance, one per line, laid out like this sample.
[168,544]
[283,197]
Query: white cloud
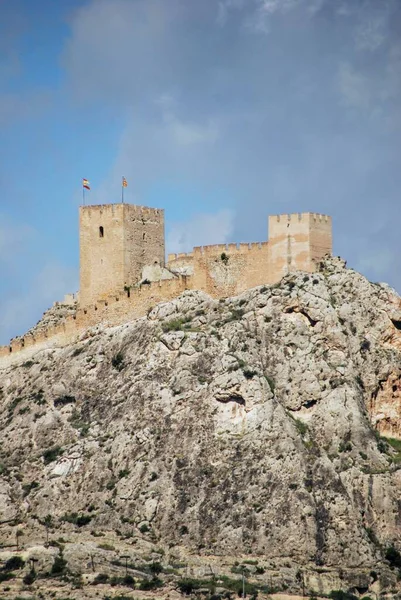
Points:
[354,87]
[371,34]
[201,230]
[187,133]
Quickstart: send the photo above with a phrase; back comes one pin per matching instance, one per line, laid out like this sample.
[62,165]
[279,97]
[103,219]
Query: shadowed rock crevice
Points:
[237,398]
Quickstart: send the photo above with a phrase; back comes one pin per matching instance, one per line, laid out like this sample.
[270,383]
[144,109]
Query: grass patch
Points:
[396,446]
[176,324]
[301,426]
[108,547]
[271,383]
[78,422]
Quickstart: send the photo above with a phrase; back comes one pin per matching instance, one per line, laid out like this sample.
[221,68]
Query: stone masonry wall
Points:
[116,241]
[133,237]
[297,241]
[113,310]
[227,270]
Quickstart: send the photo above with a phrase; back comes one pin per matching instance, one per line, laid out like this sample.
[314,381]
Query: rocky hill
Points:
[259,434]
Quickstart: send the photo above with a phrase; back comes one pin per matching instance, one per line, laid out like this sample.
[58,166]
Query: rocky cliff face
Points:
[213,432]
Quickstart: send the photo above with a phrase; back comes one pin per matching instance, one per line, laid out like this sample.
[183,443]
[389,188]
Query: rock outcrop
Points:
[261,428]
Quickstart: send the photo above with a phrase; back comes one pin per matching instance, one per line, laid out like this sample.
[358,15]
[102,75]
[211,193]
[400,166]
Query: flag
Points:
[125,184]
[85,184]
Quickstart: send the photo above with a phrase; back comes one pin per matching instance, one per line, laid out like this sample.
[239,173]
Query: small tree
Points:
[29,577]
[18,534]
[47,522]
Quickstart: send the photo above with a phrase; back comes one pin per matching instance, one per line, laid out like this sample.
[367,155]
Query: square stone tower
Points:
[297,242]
[116,242]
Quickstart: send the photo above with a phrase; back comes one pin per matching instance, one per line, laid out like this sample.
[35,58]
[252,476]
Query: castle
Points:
[123,271]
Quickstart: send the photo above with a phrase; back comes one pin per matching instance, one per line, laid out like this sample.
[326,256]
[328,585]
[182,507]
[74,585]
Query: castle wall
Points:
[101,256]
[112,310]
[229,269]
[132,237]
[297,241]
[321,242]
[143,240]
[116,241]
[182,263]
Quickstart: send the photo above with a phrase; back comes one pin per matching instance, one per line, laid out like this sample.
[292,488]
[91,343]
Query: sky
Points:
[219,111]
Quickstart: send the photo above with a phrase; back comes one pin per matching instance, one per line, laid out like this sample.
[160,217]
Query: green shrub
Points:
[155,568]
[175,324]
[144,528]
[100,578]
[29,578]
[249,374]
[128,580]
[150,584]
[6,576]
[59,566]
[118,361]
[123,473]
[79,520]
[393,556]
[52,454]
[188,585]
[345,447]
[341,595]
[14,563]
[28,364]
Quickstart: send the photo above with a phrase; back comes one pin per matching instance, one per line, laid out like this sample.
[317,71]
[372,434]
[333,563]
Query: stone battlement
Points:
[113,310]
[233,247]
[300,217]
[122,245]
[133,208]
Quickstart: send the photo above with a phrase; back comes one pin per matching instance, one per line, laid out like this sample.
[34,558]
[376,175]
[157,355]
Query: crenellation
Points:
[120,241]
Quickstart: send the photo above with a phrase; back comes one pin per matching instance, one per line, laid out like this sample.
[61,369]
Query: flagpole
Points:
[83,195]
[122,190]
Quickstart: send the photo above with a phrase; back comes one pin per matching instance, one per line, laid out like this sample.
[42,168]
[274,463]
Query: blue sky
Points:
[220,111]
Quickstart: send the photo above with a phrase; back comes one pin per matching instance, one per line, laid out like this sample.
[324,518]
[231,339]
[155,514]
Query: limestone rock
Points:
[251,430]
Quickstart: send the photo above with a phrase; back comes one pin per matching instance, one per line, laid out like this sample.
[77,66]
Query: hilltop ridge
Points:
[260,429]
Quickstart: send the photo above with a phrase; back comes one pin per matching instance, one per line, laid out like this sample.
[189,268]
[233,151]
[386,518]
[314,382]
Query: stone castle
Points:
[123,271]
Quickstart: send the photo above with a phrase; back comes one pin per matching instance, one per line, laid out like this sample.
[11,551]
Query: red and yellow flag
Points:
[85,184]
[125,184]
